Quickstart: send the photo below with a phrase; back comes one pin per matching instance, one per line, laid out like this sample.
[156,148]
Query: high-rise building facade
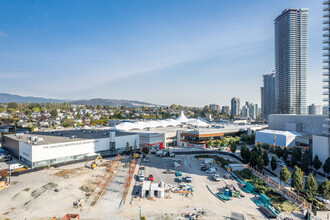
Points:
[291,46]
[253,111]
[268,95]
[225,109]
[214,107]
[315,109]
[235,106]
[326,61]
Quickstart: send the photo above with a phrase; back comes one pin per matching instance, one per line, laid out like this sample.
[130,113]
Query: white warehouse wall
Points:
[321,147]
[51,151]
[280,139]
[131,139]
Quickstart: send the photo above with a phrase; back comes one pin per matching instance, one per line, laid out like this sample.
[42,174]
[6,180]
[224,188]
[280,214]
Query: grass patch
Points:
[277,200]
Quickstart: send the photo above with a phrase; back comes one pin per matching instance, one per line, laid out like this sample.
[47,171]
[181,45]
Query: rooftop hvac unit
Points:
[73,137]
[40,139]
[35,142]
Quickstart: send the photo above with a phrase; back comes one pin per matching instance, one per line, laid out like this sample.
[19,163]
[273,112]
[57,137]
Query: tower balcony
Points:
[326,74]
[326,28]
[326,93]
[326,21]
[326,87]
[325,2]
[326,41]
[325,54]
[326,100]
[326,60]
[326,67]
[327,47]
[326,80]
[326,8]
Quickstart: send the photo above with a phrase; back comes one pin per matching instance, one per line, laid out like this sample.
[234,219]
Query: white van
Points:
[15,166]
[141,176]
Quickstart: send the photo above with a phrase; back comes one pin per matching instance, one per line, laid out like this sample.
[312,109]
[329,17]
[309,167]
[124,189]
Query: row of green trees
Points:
[225,141]
[310,189]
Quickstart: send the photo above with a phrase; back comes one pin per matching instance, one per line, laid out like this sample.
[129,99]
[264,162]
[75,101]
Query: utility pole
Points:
[9,168]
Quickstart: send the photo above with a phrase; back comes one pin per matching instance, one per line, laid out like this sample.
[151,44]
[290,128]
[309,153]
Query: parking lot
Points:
[177,204]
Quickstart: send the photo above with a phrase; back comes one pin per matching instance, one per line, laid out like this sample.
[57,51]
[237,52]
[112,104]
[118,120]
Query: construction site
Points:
[132,187]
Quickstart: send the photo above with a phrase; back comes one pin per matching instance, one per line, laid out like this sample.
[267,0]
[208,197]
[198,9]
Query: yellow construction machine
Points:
[93,165]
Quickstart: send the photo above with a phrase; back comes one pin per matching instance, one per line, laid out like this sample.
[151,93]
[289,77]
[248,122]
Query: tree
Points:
[245,153]
[53,113]
[273,163]
[35,109]
[4,173]
[310,188]
[285,174]
[217,143]
[145,150]
[28,112]
[12,105]
[306,161]
[265,158]
[324,189]
[127,148]
[278,152]
[296,156]
[10,110]
[254,158]
[210,143]
[326,166]
[297,178]
[233,147]
[317,164]
[260,163]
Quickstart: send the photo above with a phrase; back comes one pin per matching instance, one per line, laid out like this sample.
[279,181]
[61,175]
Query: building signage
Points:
[70,144]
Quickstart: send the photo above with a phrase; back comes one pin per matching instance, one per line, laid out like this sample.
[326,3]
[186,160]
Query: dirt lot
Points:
[51,192]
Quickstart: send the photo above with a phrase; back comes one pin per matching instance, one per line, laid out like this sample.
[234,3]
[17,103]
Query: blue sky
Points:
[175,51]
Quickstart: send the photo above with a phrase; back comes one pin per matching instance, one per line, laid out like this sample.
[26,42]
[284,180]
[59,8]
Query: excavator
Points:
[94,165]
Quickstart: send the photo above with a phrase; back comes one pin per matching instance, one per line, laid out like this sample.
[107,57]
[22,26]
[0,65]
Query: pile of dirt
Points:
[65,173]
[89,186]
[43,189]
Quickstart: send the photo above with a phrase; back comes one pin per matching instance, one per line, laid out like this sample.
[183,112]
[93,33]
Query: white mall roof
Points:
[140,125]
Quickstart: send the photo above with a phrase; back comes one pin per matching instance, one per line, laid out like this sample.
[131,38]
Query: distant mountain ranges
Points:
[5,98]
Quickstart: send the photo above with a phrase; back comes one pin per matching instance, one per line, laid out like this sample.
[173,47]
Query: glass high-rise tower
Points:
[326,61]
[268,95]
[291,44]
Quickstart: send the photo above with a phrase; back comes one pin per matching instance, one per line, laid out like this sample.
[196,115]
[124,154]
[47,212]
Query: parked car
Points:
[188,179]
[281,164]
[204,168]
[323,200]
[151,178]
[216,177]
[211,170]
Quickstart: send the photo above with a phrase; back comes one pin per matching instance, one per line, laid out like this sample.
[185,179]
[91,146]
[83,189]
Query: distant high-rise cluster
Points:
[250,110]
[291,44]
[326,61]
[214,107]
